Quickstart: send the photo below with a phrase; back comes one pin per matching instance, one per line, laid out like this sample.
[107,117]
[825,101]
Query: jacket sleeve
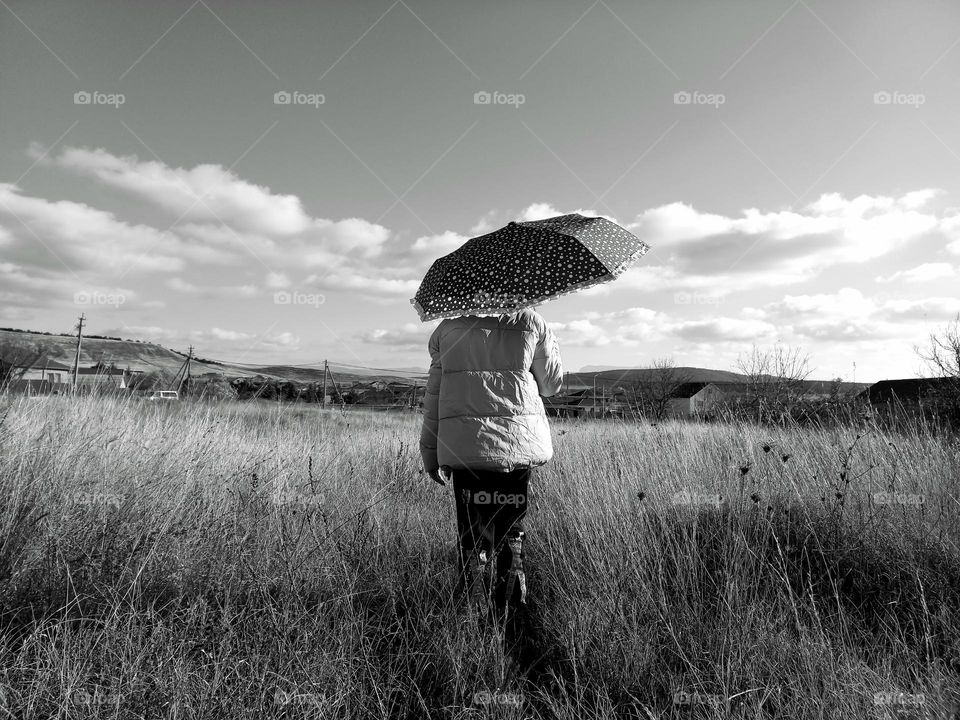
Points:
[547,368]
[431,402]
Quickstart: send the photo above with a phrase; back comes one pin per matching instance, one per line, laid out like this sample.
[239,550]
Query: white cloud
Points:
[208,192]
[485,224]
[409,335]
[922,273]
[542,211]
[366,284]
[724,329]
[224,291]
[438,245]
[65,233]
[769,249]
[276,280]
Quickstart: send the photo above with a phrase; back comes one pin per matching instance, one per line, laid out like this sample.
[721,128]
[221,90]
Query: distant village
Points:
[682,400]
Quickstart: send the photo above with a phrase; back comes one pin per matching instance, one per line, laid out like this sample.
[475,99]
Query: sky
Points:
[270,182]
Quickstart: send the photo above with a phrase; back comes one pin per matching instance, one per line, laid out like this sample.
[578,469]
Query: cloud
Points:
[922,273]
[582,333]
[485,224]
[848,315]
[275,281]
[221,291]
[942,308]
[409,335]
[724,329]
[542,211]
[207,192]
[213,204]
[75,237]
[769,249]
[438,245]
[369,284]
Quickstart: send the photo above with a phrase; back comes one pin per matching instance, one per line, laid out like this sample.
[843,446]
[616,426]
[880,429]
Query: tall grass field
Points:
[231,560]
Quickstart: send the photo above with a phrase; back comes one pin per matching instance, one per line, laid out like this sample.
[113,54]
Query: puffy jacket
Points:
[482,408]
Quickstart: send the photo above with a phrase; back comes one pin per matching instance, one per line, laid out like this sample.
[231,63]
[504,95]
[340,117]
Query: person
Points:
[485,429]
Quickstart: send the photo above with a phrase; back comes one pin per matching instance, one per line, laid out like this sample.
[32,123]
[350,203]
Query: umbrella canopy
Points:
[524,264]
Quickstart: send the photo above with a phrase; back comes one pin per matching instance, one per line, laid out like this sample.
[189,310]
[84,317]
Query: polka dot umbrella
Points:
[524,264]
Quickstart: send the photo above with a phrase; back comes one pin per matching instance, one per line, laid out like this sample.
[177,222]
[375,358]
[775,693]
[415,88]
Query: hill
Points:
[628,377]
[618,376]
[151,357]
[148,356]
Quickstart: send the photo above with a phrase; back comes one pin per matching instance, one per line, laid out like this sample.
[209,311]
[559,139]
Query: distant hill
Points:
[584,378]
[148,356]
[627,377]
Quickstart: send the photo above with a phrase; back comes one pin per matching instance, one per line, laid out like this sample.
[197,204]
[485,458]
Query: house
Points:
[46,369]
[376,392]
[566,405]
[909,390]
[691,399]
[41,377]
[604,404]
[102,377]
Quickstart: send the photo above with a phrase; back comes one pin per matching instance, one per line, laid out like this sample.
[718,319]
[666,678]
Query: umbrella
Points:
[524,264]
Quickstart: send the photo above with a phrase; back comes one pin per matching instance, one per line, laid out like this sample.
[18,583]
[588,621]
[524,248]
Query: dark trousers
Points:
[490,510]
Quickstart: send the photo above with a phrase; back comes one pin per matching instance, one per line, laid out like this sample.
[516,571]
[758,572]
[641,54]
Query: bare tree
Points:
[942,355]
[654,394]
[775,378]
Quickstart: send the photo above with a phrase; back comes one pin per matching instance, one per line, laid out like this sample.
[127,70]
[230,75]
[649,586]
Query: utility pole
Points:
[76,360]
[594,394]
[413,398]
[189,358]
[323,395]
[333,381]
[566,382]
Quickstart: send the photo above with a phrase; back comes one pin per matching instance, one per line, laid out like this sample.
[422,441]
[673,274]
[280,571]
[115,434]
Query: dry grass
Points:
[245,560]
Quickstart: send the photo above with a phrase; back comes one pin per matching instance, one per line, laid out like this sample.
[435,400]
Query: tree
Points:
[942,355]
[653,395]
[775,378]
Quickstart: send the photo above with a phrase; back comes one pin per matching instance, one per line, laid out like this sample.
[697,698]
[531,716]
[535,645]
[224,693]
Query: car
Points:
[164,395]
